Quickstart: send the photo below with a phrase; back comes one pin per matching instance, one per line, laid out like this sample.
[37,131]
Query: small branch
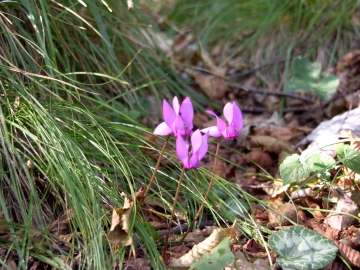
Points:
[206,195]
[156,167]
[266,92]
[172,212]
[184,227]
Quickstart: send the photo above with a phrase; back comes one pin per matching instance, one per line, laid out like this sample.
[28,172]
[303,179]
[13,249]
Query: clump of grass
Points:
[70,133]
[74,76]
[261,32]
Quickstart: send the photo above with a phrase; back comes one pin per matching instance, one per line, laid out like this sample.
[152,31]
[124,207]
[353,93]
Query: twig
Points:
[266,92]
[206,195]
[172,212]
[325,104]
[184,227]
[252,70]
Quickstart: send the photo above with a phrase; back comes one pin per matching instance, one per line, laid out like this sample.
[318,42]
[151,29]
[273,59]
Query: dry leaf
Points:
[260,158]
[285,134]
[351,255]
[211,65]
[242,263]
[202,248]
[10,264]
[3,228]
[180,42]
[288,210]
[270,144]
[314,205]
[213,86]
[120,224]
[326,134]
[338,220]
[62,224]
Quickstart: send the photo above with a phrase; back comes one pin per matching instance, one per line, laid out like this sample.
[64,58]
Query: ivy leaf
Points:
[292,169]
[326,86]
[306,70]
[306,77]
[303,249]
[321,164]
[350,156]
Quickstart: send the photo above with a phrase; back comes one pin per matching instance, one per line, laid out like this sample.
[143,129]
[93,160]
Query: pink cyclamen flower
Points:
[199,146]
[235,120]
[177,119]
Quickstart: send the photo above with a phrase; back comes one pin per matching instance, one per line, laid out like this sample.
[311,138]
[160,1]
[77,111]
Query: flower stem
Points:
[172,212]
[156,167]
[206,195]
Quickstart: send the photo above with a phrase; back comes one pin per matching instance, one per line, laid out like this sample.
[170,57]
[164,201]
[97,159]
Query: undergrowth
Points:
[75,81]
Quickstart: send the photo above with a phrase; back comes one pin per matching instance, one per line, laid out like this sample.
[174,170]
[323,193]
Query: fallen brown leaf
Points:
[62,224]
[262,159]
[213,86]
[270,144]
[284,214]
[338,219]
[351,255]
[119,233]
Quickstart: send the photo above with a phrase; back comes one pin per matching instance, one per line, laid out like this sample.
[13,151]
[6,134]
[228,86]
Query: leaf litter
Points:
[265,144]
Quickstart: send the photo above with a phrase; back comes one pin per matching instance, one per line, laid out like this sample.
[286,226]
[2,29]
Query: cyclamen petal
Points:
[187,114]
[204,146]
[176,105]
[182,149]
[221,125]
[233,115]
[191,159]
[168,113]
[193,162]
[178,118]
[238,118]
[196,141]
[163,129]
[229,112]
[213,131]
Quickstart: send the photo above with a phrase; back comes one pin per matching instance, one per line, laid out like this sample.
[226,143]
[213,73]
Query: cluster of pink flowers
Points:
[178,120]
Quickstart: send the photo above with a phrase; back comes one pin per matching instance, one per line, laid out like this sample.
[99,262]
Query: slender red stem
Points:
[206,195]
[173,211]
[156,167]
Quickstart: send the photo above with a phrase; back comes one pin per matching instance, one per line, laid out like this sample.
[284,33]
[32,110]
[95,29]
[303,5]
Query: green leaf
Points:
[326,86]
[218,258]
[321,164]
[305,70]
[236,207]
[303,249]
[294,84]
[306,77]
[223,192]
[350,156]
[292,169]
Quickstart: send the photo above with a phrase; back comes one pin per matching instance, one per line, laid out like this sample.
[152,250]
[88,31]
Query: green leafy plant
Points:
[296,168]
[306,77]
[350,158]
[302,249]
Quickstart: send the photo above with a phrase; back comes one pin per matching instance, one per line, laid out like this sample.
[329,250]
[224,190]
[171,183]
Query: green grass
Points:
[74,83]
[261,32]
